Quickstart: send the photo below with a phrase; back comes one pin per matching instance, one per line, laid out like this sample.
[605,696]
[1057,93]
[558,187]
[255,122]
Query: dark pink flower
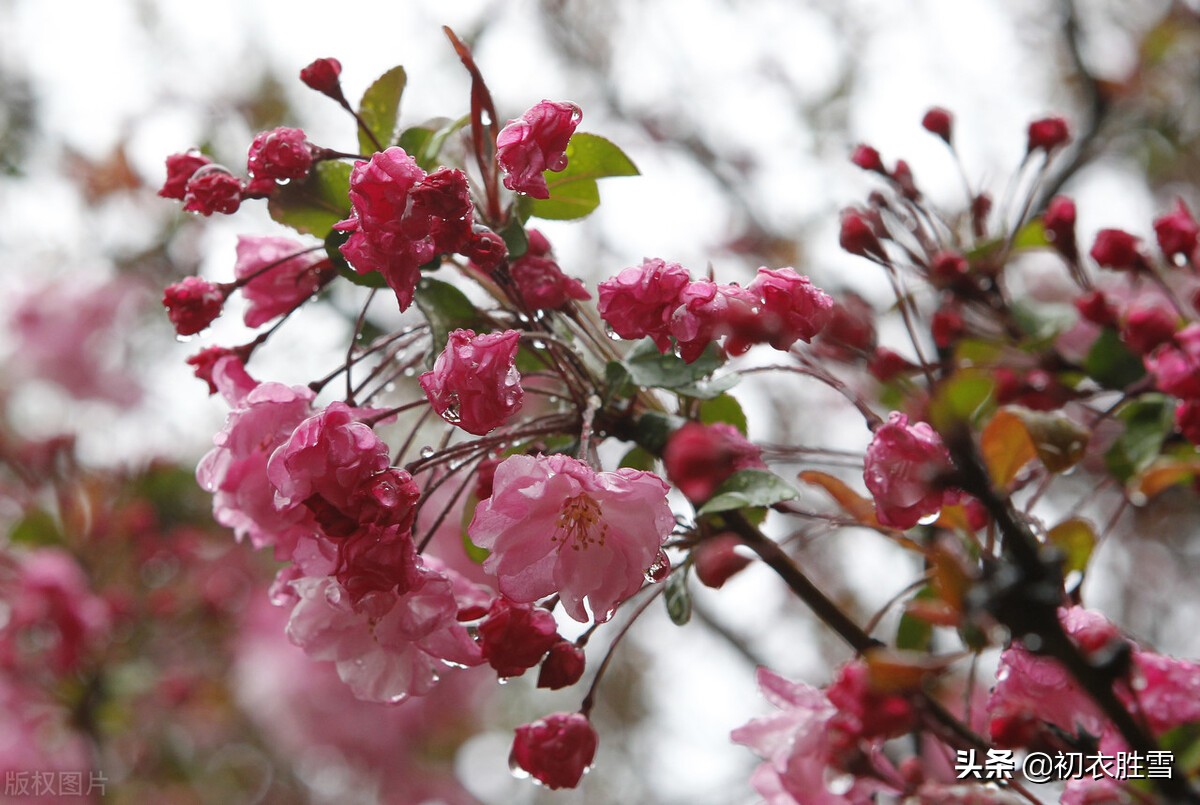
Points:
[1187,420]
[180,169]
[515,637]
[562,667]
[1119,250]
[543,285]
[1048,134]
[1094,306]
[901,471]
[192,304]
[474,382]
[699,458]
[376,559]
[938,121]
[323,76]
[857,236]
[867,158]
[639,301]
[792,308]
[204,362]
[536,142]
[851,329]
[947,325]
[708,311]
[554,525]
[443,198]
[864,713]
[211,189]
[1177,232]
[556,750]
[1176,364]
[279,274]
[280,154]
[1059,222]
[1147,326]
[235,470]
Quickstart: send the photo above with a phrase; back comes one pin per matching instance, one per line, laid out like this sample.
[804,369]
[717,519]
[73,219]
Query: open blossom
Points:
[279,275]
[706,313]
[554,525]
[639,301]
[474,382]
[235,470]
[389,646]
[556,750]
[536,142]
[699,458]
[901,471]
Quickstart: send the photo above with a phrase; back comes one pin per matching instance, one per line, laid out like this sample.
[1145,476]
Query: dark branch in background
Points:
[1024,593]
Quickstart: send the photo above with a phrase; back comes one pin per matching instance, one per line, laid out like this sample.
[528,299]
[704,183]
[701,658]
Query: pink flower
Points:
[536,142]
[1176,364]
[392,646]
[562,667]
[223,370]
[865,713]
[938,121]
[556,750]
[181,168]
[639,301]
[850,331]
[475,383]
[1177,232]
[401,218]
[375,559]
[792,308]
[793,742]
[1047,134]
[867,158]
[901,471]
[211,189]
[280,154]
[515,637]
[193,304]
[323,75]
[279,273]
[857,236]
[699,458]
[707,312]
[1147,325]
[554,525]
[543,285]
[50,596]
[235,470]
[1119,250]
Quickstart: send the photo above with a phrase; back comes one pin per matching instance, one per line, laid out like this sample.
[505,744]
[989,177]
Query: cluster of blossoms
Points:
[524,389]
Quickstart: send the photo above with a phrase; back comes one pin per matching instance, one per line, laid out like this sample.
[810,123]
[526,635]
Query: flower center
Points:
[579,524]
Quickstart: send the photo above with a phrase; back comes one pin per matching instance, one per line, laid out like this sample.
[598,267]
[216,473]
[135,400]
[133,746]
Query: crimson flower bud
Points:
[213,189]
[947,326]
[885,365]
[1119,250]
[515,637]
[193,304]
[699,458]
[1059,222]
[867,158]
[1147,326]
[1187,420]
[322,75]
[857,237]
[1095,307]
[562,667]
[716,561]
[1177,232]
[556,750]
[938,121]
[903,177]
[947,268]
[280,154]
[181,168]
[1047,134]
[474,382]
[486,250]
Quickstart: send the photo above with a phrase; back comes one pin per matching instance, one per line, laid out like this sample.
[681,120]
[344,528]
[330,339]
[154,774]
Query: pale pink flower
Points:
[235,470]
[554,525]
[474,382]
[901,471]
[275,284]
[536,142]
[390,648]
[640,300]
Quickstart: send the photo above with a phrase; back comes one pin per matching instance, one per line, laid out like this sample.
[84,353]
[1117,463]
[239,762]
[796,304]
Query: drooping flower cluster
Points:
[660,300]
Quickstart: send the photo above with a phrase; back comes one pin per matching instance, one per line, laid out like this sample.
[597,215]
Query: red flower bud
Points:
[193,304]
[1177,232]
[717,561]
[181,168]
[280,154]
[1047,134]
[1119,250]
[857,237]
[213,189]
[938,121]
[556,750]
[1095,307]
[562,667]
[322,75]
[867,158]
[1147,326]
[1059,222]
[515,637]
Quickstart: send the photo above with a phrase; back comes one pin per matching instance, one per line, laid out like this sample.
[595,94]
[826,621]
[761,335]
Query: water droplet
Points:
[390,387]
[503,680]
[929,519]
[1138,498]
[537,343]
[515,768]
[659,570]
[399,697]
[838,784]
[427,452]
[409,371]
[183,339]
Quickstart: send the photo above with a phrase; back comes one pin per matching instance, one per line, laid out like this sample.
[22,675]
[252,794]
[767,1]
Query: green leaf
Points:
[424,143]
[639,458]
[616,381]
[414,140]
[446,309]
[380,108]
[749,488]
[1148,420]
[654,429]
[912,633]
[1076,539]
[1110,363]
[573,191]
[1031,236]
[474,552]
[515,239]
[37,528]
[314,205]
[963,398]
[723,408]
[649,368]
[678,599]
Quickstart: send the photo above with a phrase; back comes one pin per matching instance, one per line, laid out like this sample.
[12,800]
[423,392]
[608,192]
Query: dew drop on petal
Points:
[659,570]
